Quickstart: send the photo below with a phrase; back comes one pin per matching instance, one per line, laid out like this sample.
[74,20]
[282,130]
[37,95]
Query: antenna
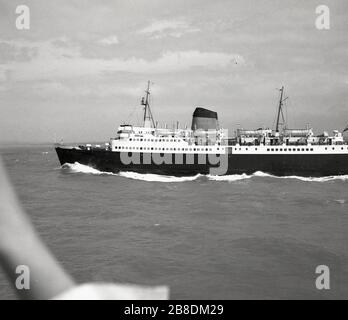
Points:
[280,109]
[148,118]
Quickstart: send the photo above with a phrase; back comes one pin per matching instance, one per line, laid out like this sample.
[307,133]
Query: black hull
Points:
[305,165]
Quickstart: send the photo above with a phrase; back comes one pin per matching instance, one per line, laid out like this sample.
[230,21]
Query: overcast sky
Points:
[82,67]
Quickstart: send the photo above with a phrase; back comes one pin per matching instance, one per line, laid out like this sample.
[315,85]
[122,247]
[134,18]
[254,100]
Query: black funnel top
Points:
[205,113]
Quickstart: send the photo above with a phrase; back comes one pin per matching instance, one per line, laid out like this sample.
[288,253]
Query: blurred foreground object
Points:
[21,246]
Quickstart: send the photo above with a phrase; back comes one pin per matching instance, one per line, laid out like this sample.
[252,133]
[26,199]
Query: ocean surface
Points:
[234,237]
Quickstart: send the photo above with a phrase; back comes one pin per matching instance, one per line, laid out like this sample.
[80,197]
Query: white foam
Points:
[340,201]
[309,179]
[80,168]
[305,179]
[156,177]
[230,178]
[260,174]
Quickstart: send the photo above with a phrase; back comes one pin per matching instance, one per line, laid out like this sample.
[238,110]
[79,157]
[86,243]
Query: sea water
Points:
[206,237]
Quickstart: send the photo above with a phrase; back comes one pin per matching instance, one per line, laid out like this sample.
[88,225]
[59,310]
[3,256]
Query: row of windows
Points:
[333,148]
[168,149]
[291,149]
[155,140]
[301,149]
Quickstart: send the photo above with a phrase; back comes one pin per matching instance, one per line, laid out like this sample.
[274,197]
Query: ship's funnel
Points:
[204,119]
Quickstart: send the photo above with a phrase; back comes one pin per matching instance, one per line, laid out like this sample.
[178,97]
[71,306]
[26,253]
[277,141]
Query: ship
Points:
[208,149]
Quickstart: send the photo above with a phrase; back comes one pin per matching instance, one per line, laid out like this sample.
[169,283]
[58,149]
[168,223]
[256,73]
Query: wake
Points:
[149,177]
[80,168]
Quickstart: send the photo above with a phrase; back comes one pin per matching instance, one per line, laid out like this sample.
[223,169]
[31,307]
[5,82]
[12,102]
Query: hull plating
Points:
[306,165]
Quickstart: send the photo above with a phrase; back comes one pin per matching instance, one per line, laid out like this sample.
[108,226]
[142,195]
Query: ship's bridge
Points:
[125,128]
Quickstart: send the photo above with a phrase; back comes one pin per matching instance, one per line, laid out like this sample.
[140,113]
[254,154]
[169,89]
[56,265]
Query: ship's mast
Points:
[280,109]
[148,118]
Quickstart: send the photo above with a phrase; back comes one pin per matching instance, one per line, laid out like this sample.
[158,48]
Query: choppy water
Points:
[206,237]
